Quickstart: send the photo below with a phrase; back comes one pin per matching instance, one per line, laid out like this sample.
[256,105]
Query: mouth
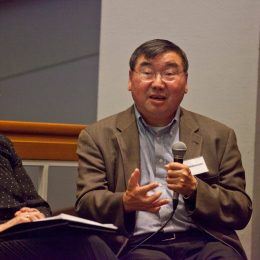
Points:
[157,97]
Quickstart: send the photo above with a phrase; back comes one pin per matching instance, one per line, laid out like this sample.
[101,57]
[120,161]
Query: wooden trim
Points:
[43,141]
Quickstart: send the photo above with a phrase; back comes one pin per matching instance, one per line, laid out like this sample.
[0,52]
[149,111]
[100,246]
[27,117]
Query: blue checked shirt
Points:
[156,151]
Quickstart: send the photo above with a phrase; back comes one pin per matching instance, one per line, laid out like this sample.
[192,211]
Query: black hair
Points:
[152,48]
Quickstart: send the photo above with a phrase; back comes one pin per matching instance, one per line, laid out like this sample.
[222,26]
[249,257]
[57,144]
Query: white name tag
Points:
[197,165]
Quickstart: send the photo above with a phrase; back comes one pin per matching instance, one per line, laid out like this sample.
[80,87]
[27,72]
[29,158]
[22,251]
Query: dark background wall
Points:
[49,52]
[49,60]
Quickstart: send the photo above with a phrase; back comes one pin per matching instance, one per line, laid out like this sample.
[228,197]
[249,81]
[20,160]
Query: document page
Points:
[79,220]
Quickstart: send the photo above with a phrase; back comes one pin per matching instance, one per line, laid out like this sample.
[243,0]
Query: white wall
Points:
[256,194]
[221,41]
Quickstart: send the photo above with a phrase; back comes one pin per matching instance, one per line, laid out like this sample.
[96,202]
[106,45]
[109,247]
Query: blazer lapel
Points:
[128,142]
[189,135]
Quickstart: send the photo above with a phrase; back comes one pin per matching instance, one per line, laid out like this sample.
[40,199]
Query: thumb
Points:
[134,179]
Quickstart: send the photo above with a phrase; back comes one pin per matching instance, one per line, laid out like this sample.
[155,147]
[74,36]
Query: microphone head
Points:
[179,149]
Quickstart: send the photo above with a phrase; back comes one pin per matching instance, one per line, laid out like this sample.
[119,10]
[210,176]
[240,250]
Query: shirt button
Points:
[161,160]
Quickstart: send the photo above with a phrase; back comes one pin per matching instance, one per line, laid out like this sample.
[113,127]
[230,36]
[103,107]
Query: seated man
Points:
[20,203]
[128,173]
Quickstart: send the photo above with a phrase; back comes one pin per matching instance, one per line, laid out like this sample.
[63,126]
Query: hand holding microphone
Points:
[179,177]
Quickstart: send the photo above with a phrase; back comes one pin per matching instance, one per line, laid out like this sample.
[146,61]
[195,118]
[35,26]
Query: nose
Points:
[158,82]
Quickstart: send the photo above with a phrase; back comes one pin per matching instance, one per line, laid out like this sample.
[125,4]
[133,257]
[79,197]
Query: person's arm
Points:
[11,165]
[31,198]
[221,199]
[97,197]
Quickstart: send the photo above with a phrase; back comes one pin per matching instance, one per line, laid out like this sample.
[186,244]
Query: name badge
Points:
[196,165]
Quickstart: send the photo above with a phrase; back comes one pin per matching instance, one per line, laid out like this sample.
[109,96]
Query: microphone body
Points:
[178,160]
[178,150]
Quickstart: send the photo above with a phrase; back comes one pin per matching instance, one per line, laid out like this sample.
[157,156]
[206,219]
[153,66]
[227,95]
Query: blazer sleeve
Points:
[97,197]
[221,199]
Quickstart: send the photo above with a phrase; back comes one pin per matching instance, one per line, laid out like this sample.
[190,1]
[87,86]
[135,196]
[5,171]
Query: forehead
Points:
[164,59]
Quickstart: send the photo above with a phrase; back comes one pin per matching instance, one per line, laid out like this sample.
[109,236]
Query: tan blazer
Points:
[108,153]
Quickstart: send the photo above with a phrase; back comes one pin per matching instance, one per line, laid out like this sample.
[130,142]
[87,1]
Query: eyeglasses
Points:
[169,75]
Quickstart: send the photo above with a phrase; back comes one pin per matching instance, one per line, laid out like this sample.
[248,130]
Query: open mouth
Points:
[157,97]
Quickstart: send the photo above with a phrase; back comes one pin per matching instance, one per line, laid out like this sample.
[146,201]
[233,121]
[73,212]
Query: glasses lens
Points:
[166,75]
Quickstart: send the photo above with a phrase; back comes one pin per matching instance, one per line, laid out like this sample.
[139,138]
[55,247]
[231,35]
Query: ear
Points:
[129,85]
[130,81]
[186,86]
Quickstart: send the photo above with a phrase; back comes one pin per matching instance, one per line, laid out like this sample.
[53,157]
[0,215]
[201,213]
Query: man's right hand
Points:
[136,198]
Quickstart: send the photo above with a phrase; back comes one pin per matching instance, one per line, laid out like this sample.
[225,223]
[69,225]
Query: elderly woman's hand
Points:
[23,215]
[30,213]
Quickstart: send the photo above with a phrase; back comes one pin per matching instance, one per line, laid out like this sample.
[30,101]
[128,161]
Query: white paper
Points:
[79,220]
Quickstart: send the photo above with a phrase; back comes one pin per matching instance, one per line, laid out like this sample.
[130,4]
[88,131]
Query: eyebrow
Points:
[172,64]
[167,64]
[145,63]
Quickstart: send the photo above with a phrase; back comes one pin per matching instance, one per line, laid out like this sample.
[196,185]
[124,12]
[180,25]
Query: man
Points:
[127,173]
[20,203]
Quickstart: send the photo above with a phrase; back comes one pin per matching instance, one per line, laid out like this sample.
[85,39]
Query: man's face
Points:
[158,86]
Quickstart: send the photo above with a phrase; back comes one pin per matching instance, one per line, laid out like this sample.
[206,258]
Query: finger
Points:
[173,174]
[149,199]
[24,218]
[33,210]
[176,179]
[161,202]
[17,213]
[30,216]
[154,210]
[146,188]
[134,179]
[156,206]
[173,166]
[184,172]
[39,215]
[25,209]
[33,217]
[176,184]
[155,201]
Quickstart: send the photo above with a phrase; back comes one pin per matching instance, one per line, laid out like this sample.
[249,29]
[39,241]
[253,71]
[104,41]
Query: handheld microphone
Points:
[178,150]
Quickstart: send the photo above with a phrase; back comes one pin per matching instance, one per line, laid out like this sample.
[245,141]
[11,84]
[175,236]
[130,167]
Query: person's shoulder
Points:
[122,118]
[7,149]
[203,120]
[5,141]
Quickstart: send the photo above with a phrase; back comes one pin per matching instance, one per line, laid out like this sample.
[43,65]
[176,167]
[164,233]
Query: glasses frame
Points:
[154,76]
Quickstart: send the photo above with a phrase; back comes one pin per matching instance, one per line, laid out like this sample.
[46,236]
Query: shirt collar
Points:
[166,129]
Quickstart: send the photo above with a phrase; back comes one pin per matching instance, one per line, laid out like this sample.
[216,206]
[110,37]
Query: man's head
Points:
[158,80]
[152,48]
